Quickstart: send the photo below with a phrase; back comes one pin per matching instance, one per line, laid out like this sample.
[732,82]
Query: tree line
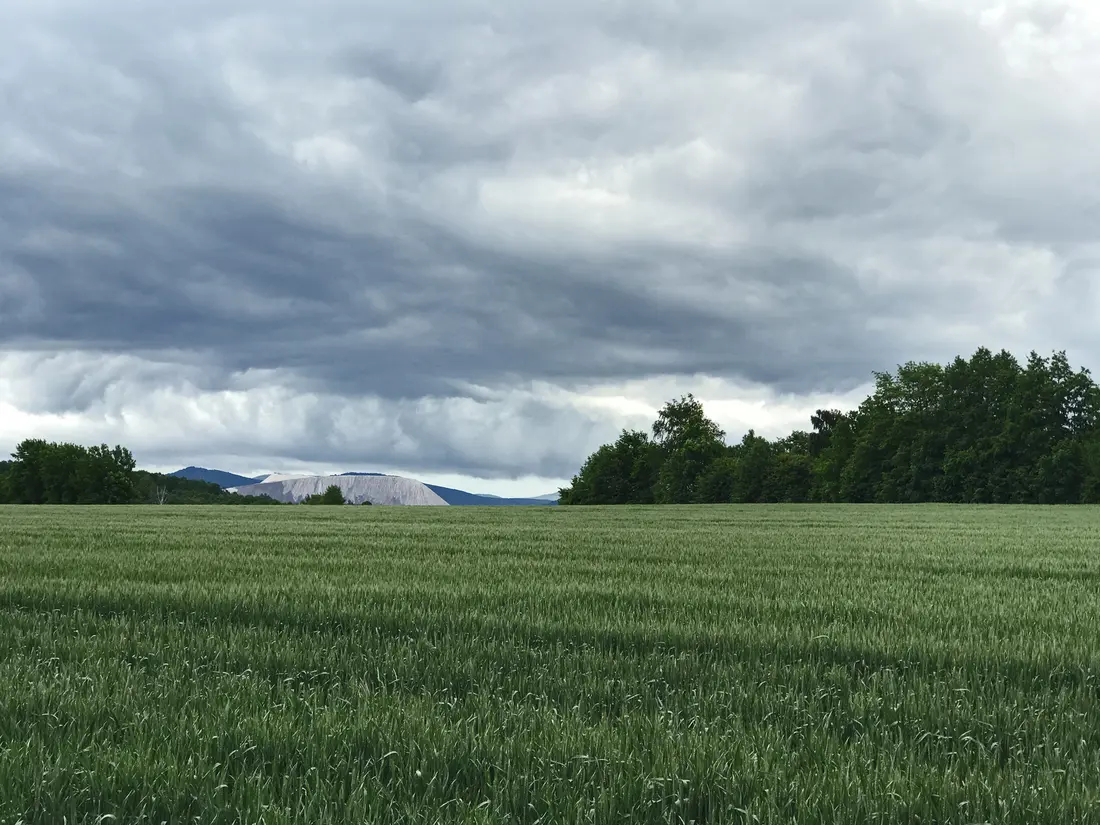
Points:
[42,472]
[332,495]
[987,429]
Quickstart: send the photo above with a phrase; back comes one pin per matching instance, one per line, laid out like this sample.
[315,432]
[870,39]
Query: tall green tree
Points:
[620,473]
[831,445]
[754,467]
[49,473]
[977,466]
[790,477]
[716,484]
[4,487]
[690,443]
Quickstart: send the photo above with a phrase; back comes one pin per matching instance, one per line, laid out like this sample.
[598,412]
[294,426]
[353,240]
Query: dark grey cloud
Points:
[399,204]
[411,78]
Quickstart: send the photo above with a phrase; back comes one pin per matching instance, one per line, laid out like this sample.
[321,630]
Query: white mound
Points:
[356,489]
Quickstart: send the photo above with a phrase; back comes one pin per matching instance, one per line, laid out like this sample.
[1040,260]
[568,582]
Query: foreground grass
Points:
[720,664]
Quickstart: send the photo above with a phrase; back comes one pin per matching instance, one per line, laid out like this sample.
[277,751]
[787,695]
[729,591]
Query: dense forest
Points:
[41,472]
[984,430]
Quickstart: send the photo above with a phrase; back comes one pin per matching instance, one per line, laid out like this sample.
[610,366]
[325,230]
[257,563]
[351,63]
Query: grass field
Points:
[722,664]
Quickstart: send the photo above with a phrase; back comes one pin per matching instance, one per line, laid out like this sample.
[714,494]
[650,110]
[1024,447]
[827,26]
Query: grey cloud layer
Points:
[170,415]
[399,201]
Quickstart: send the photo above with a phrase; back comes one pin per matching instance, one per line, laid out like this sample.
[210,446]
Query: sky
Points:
[471,241]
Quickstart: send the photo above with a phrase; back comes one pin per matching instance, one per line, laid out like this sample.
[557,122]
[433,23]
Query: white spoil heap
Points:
[356,489]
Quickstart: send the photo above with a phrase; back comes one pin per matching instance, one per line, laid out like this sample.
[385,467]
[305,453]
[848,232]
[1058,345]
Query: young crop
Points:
[756,664]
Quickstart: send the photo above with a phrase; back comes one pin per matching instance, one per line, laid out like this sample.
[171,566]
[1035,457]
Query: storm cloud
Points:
[477,238]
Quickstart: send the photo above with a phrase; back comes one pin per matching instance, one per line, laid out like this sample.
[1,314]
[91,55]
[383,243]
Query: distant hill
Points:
[377,489]
[155,488]
[461,498]
[219,477]
[449,495]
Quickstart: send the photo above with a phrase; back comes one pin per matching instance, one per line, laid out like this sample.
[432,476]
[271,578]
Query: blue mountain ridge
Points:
[219,477]
[458,498]
[462,498]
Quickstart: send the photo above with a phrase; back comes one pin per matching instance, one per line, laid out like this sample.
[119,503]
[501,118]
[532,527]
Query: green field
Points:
[809,664]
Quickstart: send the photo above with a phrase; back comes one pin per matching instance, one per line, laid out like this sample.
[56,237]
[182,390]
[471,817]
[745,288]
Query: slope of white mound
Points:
[280,477]
[356,489]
